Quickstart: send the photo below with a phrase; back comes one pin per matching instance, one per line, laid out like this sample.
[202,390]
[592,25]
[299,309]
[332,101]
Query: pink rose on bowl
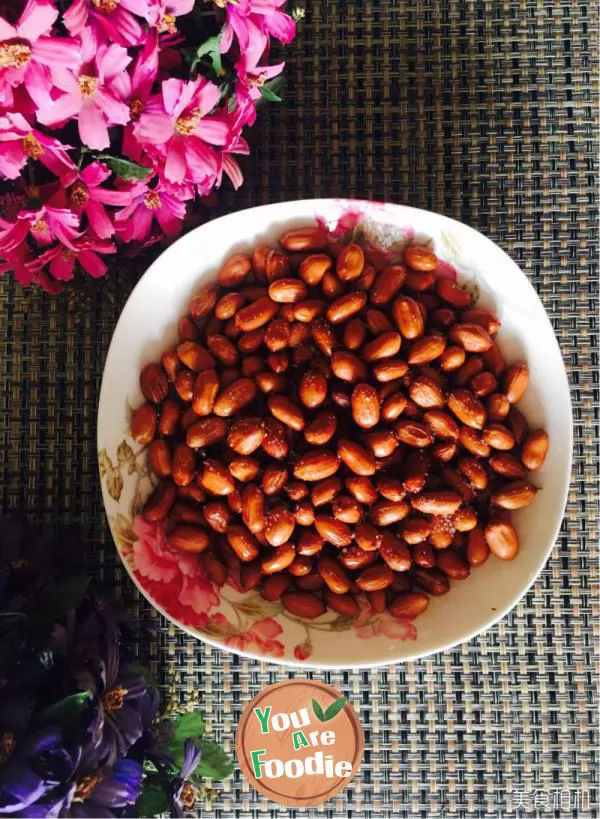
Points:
[175,580]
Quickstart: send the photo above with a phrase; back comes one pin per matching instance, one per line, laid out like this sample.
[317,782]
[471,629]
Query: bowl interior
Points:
[247,623]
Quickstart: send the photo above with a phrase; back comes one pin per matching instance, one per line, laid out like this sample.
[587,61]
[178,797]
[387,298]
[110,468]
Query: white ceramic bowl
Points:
[247,624]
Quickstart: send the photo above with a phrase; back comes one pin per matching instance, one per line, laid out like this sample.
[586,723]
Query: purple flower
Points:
[36,766]
[185,793]
[103,789]
[122,696]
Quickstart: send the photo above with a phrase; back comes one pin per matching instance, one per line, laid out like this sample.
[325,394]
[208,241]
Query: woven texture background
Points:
[483,111]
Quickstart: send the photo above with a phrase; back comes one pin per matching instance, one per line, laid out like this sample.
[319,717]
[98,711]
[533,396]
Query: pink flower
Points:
[252,75]
[61,260]
[175,124]
[20,142]
[135,86]
[263,14]
[176,581]
[262,634]
[85,195]
[45,225]
[28,55]
[164,203]
[114,20]
[90,96]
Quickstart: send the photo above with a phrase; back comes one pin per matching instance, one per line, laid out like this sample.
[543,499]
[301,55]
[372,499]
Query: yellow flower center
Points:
[32,147]
[114,699]
[40,225]
[257,81]
[14,55]
[187,123]
[167,25]
[66,254]
[86,785]
[78,194]
[135,109]
[105,6]
[152,200]
[7,745]
[88,85]
[189,794]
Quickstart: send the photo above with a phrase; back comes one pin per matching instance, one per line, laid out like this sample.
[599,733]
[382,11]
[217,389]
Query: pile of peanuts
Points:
[325,428]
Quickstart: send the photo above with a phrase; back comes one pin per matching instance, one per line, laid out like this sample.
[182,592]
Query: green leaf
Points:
[334,709]
[152,802]
[185,726]
[188,726]
[318,710]
[206,51]
[214,762]
[124,168]
[61,596]
[270,91]
[65,712]
[268,94]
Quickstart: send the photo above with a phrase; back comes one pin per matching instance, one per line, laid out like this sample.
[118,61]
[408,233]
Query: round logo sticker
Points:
[299,742]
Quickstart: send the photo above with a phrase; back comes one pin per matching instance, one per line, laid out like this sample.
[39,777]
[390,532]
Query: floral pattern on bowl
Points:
[177,585]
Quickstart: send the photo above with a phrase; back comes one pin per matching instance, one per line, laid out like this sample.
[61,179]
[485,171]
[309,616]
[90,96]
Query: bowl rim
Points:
[467,635]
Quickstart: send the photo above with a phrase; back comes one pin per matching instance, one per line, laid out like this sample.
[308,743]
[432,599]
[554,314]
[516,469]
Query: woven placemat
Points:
[483,111]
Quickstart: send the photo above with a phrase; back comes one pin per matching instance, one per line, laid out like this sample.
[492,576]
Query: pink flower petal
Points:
[280,26]
[139,7]
[114,198]
[142,224]
[76,16]
[173,92]
[175,166]
[57,52]
[112,61]
[99,220]
[92,128]
[154,128]
[12,160]
[65,80]
[207,97]
[226,40]
[122,27]
[117,113]
[60,110]
[61,267]
[95,174]
[7,32]
[233,171]
[239,26]
[214,131]
[92,263]
[37,18]
[38,83]
[169,223]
